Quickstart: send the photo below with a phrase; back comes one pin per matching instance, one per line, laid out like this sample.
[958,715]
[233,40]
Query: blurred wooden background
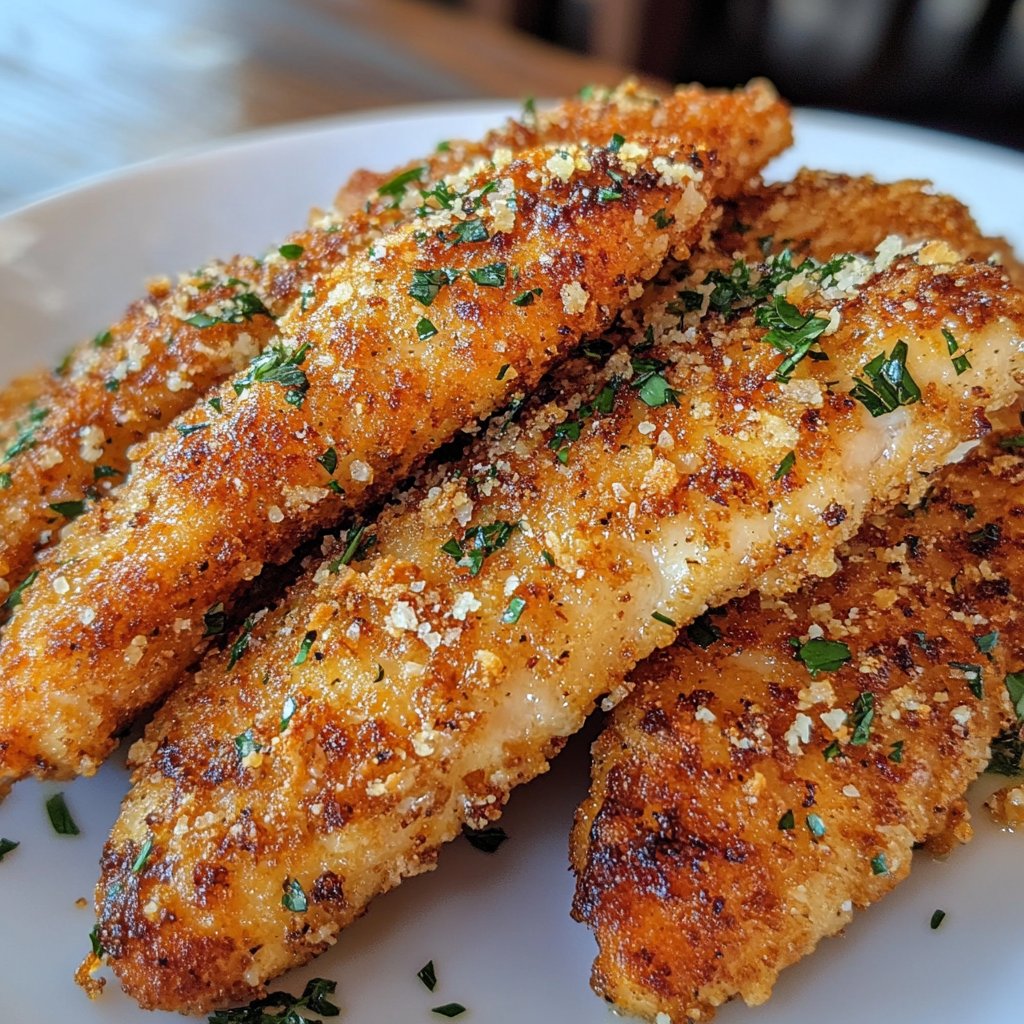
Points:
[86,85]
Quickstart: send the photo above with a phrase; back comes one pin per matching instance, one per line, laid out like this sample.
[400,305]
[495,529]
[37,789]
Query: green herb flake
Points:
[510,616]
[1014,683]
[6,845]
[305,647]
[357,545]
[787,822]
[790,332]
[425,329]
[102,340]
[5,481]
[397,186]
[449,1010]
[862,717]
[703,632]
[282,1007]
[14,598]
[471,230]
[616,143]
[815,825]
[785,466]
[986,644]
[879,865]
[68,509]
[487,840]
[94,942]
[294,898]
[140,861]
[443,147]
[188,429]
[548,558]
[280,365]
[306,295]
[288,710]
[241,308]
[427,283]
[104,472]
[478,543]
[60,817]
[662,219]
[664,619]
[291,251]
[1011,444]
[491,276]
[821,655]
[428,975]
[241,645]
[215,620]
[245,744]
[26,436]
[895,754]
[655,391]
[1007,752]
[889,383]
[329,460]
[936,919]
[526,298]
[960,362]
[832,751]
[972,674]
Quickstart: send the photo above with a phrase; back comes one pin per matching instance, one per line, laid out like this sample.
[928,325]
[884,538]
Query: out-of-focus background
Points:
[87,85]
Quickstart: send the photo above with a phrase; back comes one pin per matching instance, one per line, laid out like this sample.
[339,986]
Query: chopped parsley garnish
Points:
[569,431]
[288,710]
[241,645]
[428,975]
[821,655]
[889,383]
[529,109]
[397,186]
[1007,752]
[305,647]
[487,840]
[306,294]
[282,1007]
[26,436]
[291,251]
[329,460]
[548,558]
[245,744]
[15,596]
[278,365]
[510,616]
[832,751]
[973,675]
[648,382]
[662,219]
[5,481]
[616,143]
[356,548]
[986,643]
[215,620]
[188,429]
[60,817]
[102,340]
[790,332]
[444,196]
[879,865]
[94,942]
[703,632]
[112,384]
[491,276]
[815,825]
[102,472]
[785,466]
[896,752]
[427,283]
[68,509]
[241,308]
[478,543]
[1014,683]
[937,918]
[425,329]
[1010,444]
[664,619]
[471,230]
[6,845]
[787,821]
[609,193]
[449,1010]
[984,541]
[140,861]
[294,898]
[862,717]
[526,298]
[960,362]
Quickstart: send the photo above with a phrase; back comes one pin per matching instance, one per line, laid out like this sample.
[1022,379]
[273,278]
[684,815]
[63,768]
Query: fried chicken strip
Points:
[743,803]
[440,322]
[357,726]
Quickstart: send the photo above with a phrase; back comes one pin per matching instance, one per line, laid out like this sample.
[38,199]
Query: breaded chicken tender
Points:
[776,767]
[703,447]
[437,324]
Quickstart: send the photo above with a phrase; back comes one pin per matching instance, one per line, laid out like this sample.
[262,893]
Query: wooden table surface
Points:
[88,85]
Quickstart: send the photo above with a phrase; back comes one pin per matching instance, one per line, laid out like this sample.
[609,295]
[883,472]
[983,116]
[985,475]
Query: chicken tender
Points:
[777,766]
[697,450]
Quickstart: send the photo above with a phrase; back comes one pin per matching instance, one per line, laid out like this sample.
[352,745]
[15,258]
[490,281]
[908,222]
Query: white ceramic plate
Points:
[497,927]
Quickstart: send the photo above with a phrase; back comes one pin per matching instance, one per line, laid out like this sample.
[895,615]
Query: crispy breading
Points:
[440,322]
[741,805]
[358,725]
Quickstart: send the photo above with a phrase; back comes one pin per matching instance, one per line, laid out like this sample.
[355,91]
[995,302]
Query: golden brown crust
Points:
[694,890]
[426,692]
[117,612]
